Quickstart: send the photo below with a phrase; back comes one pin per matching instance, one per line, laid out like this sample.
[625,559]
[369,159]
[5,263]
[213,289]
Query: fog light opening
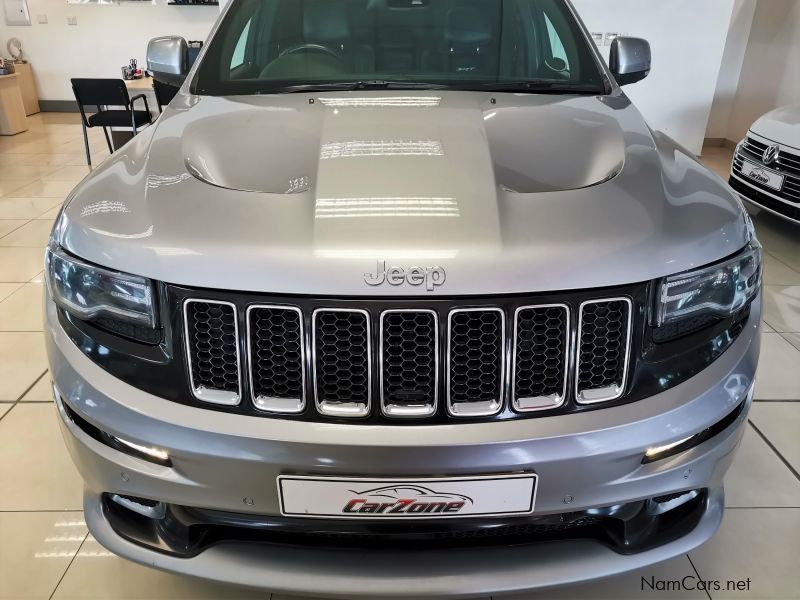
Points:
[152,509]
[662,504]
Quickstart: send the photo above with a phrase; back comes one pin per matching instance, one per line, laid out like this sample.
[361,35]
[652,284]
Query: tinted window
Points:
[269,45]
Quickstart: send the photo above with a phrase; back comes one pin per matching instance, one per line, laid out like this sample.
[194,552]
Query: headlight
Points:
[90,292]
[719,290]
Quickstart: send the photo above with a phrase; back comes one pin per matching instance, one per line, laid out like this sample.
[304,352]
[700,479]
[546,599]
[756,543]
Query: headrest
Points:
[467,26]
[325,21]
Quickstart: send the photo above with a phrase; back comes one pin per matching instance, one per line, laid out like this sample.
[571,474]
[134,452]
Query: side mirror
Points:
[168,59]
[629,60]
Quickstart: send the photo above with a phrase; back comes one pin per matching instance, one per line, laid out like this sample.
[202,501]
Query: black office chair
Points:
[103,93]
[164,93]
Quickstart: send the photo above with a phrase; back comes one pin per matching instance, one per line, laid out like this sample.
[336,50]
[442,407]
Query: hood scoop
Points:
[555,147]
[269,149]
[531,144]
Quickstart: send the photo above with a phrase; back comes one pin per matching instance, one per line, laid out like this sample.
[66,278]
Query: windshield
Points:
[270,46]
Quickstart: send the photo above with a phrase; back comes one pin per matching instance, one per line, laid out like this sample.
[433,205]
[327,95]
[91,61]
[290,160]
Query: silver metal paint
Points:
[168,56]
[661,214]
[629,57]
[552,192]
[601,450]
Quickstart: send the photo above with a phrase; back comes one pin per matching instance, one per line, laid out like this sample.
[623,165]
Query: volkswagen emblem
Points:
[770,154]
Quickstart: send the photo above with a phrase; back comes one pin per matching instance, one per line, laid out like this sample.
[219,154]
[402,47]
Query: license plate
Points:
[453,497]
[762,175]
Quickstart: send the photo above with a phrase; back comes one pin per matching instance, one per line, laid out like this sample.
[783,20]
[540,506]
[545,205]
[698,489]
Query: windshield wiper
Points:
[542,87]
[370,84]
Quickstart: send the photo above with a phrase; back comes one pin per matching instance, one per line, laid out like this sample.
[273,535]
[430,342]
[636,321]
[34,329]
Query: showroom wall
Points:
[770,74]
[676,98]
[687,54]
[731,69]
[104,39]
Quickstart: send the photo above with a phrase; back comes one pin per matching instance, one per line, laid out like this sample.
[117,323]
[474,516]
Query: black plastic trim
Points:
[186,531]
[162,370]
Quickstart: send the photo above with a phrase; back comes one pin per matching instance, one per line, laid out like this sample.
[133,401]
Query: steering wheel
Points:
[309,47]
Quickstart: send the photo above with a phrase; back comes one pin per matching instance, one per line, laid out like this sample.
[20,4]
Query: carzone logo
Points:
[404,500]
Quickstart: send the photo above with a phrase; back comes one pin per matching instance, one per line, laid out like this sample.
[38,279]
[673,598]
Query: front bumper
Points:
[590,459]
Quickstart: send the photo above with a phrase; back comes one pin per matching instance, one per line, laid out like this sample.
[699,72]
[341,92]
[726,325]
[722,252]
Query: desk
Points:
[139,86]
[27,86]
[12,111]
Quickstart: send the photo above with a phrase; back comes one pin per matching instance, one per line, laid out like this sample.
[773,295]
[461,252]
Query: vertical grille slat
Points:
[604,332]
[476,361]
[276,355]
[342,362]
[541,345]
[409,363]
[212,344]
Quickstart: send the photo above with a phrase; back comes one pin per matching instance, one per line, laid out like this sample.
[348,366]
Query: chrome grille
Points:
[787,164]
[476,358]
[541,345]
[604,331]
[342,362]
[484,361]
[212,345]
[409,362]
[275,351]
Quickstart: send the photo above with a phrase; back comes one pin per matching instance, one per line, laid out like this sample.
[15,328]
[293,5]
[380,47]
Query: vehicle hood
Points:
[781,125]
[306,193]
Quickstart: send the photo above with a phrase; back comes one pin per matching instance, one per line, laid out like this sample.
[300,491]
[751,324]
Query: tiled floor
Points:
[45,549]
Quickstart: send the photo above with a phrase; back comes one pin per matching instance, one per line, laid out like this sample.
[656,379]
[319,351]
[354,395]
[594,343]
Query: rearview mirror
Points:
[629,60]
[168,59]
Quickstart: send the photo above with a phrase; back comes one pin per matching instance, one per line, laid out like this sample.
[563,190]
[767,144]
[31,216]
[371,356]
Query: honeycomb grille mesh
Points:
[541,342]
[603,344]
[342,357]
[276,352]
[476,356]
[213,347]
[409,362]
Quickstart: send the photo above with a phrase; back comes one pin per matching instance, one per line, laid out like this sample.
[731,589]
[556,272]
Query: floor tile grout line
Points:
[18,400]
[72,560]
[28,221]
[759,507]
[44,510]
[777,400]
[696,572]
[775,450]
[780,260]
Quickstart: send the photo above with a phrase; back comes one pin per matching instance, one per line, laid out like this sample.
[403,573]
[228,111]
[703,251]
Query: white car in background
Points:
[766,164]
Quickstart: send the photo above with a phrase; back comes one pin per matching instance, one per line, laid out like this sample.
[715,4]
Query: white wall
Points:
[676,98]
[687,38]
[731,69]
[770,74]
[105,38]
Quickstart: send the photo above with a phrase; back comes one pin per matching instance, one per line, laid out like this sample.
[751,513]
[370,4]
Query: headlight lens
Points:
[89,292]
[718,290]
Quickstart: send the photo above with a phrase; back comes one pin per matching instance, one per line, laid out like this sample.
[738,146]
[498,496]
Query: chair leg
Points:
[108,141]
[86,143]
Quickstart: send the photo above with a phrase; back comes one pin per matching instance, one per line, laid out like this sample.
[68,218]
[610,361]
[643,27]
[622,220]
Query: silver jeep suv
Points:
[402,297]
